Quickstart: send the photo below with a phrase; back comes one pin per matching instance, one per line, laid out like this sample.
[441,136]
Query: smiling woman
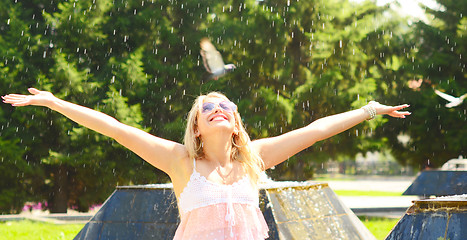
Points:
[216,171]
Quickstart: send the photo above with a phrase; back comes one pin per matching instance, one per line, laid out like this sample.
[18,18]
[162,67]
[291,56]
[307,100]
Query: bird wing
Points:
[212,59]
[206,65]
[446,96]
[453,104]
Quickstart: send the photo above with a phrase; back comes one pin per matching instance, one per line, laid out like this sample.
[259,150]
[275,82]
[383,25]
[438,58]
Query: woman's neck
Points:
[218,148]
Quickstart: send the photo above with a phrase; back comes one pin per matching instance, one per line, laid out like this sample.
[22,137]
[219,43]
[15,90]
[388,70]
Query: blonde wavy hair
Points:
[242,151]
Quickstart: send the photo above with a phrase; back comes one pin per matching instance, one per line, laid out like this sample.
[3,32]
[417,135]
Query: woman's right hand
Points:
[38,98]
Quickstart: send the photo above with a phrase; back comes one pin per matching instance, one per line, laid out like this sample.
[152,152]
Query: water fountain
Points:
[293,210]
[440,218]
[438,183]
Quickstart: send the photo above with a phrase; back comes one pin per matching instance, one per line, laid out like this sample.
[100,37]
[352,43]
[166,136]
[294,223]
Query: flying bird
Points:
[212,60]
[453,101]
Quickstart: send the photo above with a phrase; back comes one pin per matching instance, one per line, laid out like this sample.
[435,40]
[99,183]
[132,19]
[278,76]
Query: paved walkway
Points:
[385,206]
[372,184]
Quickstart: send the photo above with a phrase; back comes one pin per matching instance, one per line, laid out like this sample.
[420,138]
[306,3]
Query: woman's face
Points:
[216,114]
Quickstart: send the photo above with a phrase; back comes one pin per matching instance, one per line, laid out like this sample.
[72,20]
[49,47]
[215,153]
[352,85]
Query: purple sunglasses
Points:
[225,105]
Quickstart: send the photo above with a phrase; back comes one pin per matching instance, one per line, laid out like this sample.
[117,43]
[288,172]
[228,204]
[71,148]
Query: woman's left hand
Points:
[392,111]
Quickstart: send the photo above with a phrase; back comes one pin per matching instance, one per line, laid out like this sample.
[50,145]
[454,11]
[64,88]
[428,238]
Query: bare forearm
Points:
[329,126]
[292,142]
[277,149]
[87,117]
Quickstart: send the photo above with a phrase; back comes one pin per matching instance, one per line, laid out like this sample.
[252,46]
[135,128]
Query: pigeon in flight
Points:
[212,60]
[453,101]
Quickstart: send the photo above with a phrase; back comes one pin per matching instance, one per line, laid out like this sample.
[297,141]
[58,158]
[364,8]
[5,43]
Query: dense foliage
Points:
[139,62]
[438,61]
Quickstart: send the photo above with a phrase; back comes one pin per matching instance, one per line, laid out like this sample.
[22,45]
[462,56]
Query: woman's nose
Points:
[217,108]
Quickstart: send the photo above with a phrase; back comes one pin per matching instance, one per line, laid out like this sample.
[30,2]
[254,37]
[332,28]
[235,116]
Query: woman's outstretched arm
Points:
[275,150]
[159,152]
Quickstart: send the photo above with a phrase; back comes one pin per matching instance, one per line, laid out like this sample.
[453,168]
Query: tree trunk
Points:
[59,198]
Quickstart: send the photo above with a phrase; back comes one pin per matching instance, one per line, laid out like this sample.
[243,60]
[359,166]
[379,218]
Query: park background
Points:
[297,61]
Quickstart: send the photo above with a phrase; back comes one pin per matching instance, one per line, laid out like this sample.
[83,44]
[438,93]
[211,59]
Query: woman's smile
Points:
[218,117]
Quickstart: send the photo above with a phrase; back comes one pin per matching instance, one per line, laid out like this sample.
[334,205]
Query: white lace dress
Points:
[214,211]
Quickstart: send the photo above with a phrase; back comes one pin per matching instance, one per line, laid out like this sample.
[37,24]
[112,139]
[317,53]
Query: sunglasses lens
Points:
[226,106]
[207,107]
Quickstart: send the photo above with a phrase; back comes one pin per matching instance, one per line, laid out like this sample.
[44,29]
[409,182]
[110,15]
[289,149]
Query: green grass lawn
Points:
[28,230]
[380,227]
[367,193]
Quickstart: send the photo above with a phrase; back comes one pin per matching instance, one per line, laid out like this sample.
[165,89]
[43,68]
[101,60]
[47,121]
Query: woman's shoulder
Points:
[181,163]
[181,157]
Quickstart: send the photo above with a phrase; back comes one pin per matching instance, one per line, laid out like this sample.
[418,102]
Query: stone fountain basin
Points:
[293,210]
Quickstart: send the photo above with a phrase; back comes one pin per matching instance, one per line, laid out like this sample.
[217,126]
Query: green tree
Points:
[135,61]
[69,55]
[18,165]
[435,54]
[299,61]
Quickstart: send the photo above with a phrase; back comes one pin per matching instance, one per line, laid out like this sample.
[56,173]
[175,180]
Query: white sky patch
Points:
[410,8]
